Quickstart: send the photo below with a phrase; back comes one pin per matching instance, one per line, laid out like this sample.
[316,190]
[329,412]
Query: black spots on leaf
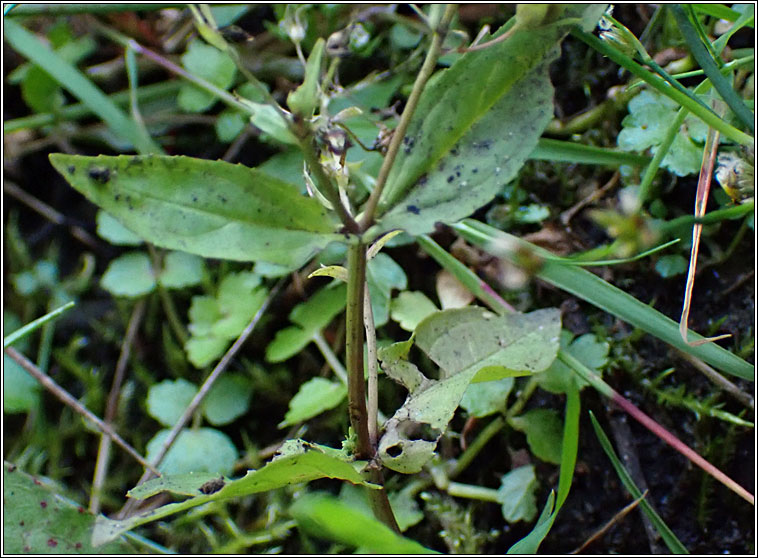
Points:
[457,169]
[482,145]
[116,197]
[101,175]
[454,152]
[475,170]
[194,198]
[422,180]
[222,199]
[213,485]
[408,143]
[413,209]
[71,169]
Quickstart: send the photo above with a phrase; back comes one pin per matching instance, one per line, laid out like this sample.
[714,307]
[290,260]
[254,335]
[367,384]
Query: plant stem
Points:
[423,76]
[356,388]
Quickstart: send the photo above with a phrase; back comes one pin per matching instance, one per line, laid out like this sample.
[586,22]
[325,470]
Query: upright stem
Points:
[423,76]
[356,388]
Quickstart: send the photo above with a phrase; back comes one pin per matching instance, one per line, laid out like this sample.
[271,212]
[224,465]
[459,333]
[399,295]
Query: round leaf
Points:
[129,275]
[167,400]
[204,449]
[228,399]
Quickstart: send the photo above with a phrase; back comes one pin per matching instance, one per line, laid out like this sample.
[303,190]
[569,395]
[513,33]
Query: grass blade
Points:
[80,87]
[602,294]
[31,326]
[668,536]
[710,68]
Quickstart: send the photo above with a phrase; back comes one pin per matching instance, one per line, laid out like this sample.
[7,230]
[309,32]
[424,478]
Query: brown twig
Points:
[69,400]
[615,519]
[51,214]
[111,407]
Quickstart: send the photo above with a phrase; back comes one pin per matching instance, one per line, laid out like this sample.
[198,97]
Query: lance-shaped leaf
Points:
[310,464]
[210,208]
[475,125]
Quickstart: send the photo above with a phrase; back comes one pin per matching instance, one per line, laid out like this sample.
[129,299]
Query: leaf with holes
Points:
[465,343]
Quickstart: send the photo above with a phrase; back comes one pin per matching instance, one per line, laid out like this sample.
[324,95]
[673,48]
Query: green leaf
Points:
[211,64]
[184,484]
[167,400]
[487,398]
[109,228]
[304,100]
[78,84]
[229,124]
[228,399]
[310,318]
[497,346]
[203,449]
[181,270]
[671,265]
[308,465]
[209,208]
[517,494]
[313,398]
[411,307]
[646,126]
[382,275]
[531,543]
[129,275]
[327,517]
[38,520]
[21,392]
[588,349]
[464,143]
[543,429]
[214,322]
[463,342]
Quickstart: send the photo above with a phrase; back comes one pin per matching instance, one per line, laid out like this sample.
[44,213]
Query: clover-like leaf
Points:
[310,318]
[313,398]
[544,433]
[517,494]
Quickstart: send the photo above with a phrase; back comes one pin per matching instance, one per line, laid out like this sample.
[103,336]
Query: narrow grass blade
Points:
[572,152]
[602,294]
[77,83]
[31,326]
[668,536]
[710,68]
[658,83]
[530,544]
